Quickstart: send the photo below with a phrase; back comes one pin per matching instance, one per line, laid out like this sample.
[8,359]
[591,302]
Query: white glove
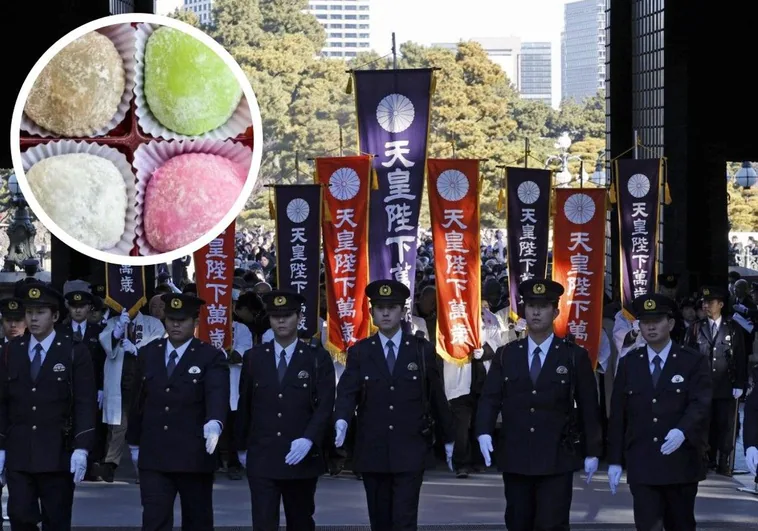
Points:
[590,467]
[520,325]
[211,432]
[242,456]
[123,322]
[751,458]
[736,393]
[636,326]
[485,446]
[614,477]
[298,450]
[79,465]
[674,440]
[449,455]
[134,450]
[173,287]
[2,467]
[740,308]
[100,399]
[129,347]
[478,353]
[341,428]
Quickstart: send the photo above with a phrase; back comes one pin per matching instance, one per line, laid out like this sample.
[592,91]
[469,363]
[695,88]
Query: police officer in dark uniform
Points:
[285,407]
[659,421]
[667,286]
[750,429]
[386,377]
[176,421]
[543,439]
[13,318]
[47,416]
[720,339]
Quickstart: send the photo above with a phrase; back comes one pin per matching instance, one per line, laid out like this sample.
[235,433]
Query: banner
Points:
[345,226]
[638,195]
[125,288]
[454,208]
[298,248]
[528,221]
[579,264]
[393,124]
[214,274]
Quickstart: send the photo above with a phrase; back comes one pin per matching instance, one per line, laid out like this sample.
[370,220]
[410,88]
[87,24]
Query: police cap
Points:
[710,293]
[41,295]
[653,305]
[79,298]
[181,305]
[540,289]
[389,291]
[668,280]
[282,302]
[12,308]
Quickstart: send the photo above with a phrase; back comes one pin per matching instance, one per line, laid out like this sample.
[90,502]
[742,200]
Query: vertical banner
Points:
[638,194]
[393,109]
[298,247]
[528,221]
[214,274]
[345,227]
[125,288]
[454,209]
[579,264]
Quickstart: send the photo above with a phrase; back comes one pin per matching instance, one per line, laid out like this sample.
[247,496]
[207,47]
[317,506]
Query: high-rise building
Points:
[535,79]
[202,8]
[583,50]
[347,24]
[503,51]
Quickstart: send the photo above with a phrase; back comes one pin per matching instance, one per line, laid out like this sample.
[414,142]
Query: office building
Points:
[202,8]
[535,79]
[347,24]
[583,50]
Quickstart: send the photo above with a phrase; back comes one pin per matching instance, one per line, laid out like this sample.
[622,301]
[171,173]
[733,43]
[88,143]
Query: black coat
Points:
[725,353]
[271,415]
[91,340]
[536,417]
[641,417]
[389,424]
[750,429]
[35,416]
[168,414]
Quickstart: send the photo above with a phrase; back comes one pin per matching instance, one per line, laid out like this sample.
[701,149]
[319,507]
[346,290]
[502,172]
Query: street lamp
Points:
[598,176]
[21,230]
[564,176]
[746,176]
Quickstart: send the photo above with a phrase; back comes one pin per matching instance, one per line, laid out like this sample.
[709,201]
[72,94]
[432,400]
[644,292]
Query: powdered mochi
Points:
[85,195]
[79,90]
[187,196]
[188,87]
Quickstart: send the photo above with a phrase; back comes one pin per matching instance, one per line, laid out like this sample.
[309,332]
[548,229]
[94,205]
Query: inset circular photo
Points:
[136,139]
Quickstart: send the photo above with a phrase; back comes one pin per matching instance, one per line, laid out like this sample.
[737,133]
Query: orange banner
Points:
[453,186]
[579,264]
[345,232]
[214,273]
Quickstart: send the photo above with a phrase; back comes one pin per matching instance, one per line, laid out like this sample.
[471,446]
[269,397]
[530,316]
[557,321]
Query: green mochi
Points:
[189,88]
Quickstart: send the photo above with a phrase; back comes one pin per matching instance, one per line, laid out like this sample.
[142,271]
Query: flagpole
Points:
[527,152]
[636,144]
[394,52]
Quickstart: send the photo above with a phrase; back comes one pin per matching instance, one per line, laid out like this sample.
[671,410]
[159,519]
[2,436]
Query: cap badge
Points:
[538,289]
[706,292]
[649,304]
[670,278]
[385,290]
[13,305]
[34,293]
[280,301]
[78,297]
[176,303]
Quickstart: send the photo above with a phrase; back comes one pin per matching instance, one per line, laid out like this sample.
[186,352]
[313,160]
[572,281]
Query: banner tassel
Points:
[501,200]
[271,209]
[374,180]
[327,213]
[612,193]
[666,194]
[349,88]
[552,203]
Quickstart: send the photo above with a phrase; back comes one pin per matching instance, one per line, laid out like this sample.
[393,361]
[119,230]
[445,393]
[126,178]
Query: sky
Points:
[431,21]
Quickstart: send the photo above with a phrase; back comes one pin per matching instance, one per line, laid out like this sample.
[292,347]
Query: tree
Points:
[742,207]
[186,16]
[236,23]
[289,17]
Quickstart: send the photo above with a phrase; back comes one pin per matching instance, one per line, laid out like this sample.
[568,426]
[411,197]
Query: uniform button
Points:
[534,392]
[714,370]
[678,390]
[531,410]
[34,389]
[34,408]
[279,415]
[392,387]
[392,407]
[167,389]
[34,427]
[280,395]
[531,429]
[391,427]
[654,400]
[655,420]
[165,428]
[166,408]
[278,434]
[655,439]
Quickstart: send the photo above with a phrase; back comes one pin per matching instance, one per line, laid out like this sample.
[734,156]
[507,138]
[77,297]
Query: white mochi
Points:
[85,195]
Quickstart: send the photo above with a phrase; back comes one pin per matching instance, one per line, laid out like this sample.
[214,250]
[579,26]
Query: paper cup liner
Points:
[151,156]
[122,36]
[54,148]
[235,126]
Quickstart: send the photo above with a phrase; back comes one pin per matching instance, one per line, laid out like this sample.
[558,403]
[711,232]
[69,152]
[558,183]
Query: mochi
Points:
[187,196]
[188,87]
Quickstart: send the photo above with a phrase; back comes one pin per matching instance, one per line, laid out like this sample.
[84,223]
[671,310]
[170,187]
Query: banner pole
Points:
[394,52]
[636,144]
[527,152]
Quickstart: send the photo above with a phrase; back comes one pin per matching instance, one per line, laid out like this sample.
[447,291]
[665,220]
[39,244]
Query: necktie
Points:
[281,367]
[36,362]
[78,334]
[536,366]
[714,330]
[171,363]
[390,356]
[656,370]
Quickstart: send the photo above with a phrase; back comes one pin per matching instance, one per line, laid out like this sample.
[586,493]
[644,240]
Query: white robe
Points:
[152,329]
[242,341]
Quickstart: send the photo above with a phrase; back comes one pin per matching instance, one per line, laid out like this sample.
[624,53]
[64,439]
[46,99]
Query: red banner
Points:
[453,186]
[579,264]
[214,274]
[345,232]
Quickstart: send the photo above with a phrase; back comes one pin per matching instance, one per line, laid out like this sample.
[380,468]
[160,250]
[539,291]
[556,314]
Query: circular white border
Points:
[221,226]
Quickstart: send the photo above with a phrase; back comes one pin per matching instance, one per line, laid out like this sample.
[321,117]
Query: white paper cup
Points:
[64,147]
[151,156]
[123,36]
[235,126]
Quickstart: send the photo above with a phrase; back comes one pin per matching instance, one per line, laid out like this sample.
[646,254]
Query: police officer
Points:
[13,318]
[386,377]
[720,340]
[750,429]
[176,420]
[47,416]
[285,407]
[541,444]
[659,421]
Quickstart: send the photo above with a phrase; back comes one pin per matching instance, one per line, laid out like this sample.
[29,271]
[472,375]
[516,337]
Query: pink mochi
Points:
[187,196]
